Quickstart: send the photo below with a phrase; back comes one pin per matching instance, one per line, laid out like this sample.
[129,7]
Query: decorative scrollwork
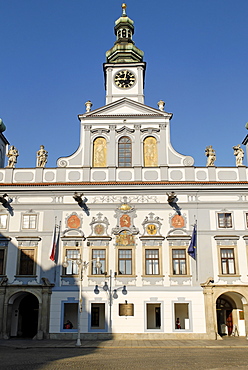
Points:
[62,163]
[188,161]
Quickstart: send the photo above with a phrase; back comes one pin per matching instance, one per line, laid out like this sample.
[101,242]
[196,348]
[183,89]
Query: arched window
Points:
[100,152]
[150,152]
[125,152]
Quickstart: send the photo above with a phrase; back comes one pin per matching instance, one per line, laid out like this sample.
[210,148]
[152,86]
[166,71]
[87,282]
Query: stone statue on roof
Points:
[42,155]
[12,155]
[239,154]
[211,156]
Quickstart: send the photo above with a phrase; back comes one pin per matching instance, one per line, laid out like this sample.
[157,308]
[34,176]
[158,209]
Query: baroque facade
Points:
[124,204]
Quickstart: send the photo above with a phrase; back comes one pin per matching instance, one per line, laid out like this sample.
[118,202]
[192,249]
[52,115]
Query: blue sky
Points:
[51,63]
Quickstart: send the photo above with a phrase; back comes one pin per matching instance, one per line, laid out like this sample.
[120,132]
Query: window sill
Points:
[183,276]
[153,276]
[125,276]
[231,275]
[25,276]
[98,276]
[69,275]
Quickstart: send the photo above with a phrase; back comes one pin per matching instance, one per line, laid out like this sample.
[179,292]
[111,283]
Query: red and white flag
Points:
[55,243]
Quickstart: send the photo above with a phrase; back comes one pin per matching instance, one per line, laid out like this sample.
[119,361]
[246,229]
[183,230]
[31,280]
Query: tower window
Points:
[125,152]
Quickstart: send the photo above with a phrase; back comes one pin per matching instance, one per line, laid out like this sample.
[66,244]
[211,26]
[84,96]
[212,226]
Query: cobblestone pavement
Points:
[123,358]
[228,342]
[230,353]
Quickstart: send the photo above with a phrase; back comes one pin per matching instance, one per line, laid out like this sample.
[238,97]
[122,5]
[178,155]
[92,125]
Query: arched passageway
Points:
[230,314]
[25,314]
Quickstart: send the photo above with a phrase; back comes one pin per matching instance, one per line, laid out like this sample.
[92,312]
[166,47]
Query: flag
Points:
[55,242]
[193,244]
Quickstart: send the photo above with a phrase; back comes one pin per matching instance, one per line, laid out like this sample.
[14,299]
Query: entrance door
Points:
[224,316]
[229,321]
[28,317]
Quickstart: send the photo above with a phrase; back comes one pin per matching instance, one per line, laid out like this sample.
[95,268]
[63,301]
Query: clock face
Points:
[124,79]
[151,229]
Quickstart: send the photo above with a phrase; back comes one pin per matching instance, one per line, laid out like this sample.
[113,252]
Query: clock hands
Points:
[124,79]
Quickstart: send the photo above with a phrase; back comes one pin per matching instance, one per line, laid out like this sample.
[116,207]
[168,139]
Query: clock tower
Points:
[124,69]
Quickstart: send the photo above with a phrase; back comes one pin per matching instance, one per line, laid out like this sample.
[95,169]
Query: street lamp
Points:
[112,294]
[82,266]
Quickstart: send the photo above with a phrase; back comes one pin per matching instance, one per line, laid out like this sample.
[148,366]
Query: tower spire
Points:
[124,50]
[124,6]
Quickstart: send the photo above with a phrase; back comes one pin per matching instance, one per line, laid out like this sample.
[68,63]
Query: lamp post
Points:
[82,266]
[112,294]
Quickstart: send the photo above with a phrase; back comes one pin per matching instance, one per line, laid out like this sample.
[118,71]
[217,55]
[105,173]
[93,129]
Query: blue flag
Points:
[193,244]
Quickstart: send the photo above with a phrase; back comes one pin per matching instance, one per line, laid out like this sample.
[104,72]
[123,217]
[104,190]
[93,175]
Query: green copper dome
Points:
[124,50]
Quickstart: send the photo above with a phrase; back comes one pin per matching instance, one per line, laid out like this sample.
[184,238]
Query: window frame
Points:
[187,265]
[227,263]
[71,261]
[4,249]
[7,219]
[190,315]
[125,150]
[19,265]
[225,220]
[236,263]
[92,263]
[29,222]
[132,260]
[160,266]
[246,220]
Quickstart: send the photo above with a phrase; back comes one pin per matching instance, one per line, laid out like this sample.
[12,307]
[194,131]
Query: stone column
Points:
[2,295]
[140,85]
[109,92]
[87,160]
[111,161]
[44,310]
[245,307]
[136,154]
[162,153]
[210,312]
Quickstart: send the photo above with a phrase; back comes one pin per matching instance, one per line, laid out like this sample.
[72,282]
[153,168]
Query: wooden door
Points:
[229,321]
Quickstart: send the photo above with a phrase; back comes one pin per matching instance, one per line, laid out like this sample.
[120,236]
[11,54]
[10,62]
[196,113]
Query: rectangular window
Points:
[153,315]
[224,220]
[152,261]
[125,261]
[97,316]
[179,261]
[29,221]
[227,261]
[99,254]
[2,254]
[70,315]
[181,316]
[72,255]
[3,221]
[246,219]
[27,263]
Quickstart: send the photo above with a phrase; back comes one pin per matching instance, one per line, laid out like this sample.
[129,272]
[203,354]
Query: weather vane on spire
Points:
[124,6]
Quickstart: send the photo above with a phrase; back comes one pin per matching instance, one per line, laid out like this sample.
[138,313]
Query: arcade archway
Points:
[230,314]
[25,313]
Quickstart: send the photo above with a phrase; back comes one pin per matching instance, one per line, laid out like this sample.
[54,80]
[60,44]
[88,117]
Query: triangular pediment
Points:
[125,107]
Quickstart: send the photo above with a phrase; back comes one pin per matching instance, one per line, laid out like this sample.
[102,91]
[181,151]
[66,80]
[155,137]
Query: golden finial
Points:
[124,6]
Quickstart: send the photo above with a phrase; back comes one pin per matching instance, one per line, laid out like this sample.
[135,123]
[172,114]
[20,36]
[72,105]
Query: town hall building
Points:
[98,247]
